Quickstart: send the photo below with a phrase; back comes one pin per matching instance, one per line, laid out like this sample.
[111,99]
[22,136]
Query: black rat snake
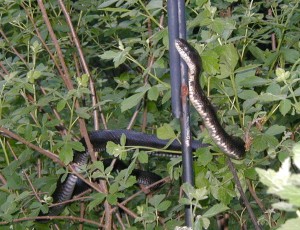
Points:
[231,146]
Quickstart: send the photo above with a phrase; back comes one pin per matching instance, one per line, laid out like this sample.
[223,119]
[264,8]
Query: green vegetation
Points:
[251,63]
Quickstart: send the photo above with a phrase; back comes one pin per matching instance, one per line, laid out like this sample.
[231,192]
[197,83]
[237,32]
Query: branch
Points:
[73,218]
[243,196]
[66,78]
[84,64]
[44,152]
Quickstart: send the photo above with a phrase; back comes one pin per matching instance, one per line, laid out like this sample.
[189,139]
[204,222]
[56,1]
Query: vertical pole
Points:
[180,105]
[187,158]
[174,57]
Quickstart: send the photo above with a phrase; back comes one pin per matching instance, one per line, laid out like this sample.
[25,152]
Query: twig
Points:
[3,180]
[50,155]
[243,196]
[85,67]
[66,78]
[4,68]
[73,218]
[31,185]
[47,153]
[12,47]
[120,221]
[273,37]
[259,203]
[128,211]
[164,180]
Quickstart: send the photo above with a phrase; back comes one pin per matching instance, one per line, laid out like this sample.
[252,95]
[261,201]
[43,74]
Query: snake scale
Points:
[231,146]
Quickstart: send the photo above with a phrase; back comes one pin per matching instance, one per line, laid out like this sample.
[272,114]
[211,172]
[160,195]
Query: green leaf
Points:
[251,174]
[106,3]
[214,210]
[108,55]
[228,59]
[154,4]
[275,130]
[273,88]
[223,196]
[285,106]
[113,188]
[251,81]
[204,157]
[66,153]
[291,224]
[118,57]
[123,139]
[263,141]
[247,68]
[33,75]
[284,206]
[296,156]
[130,181]
[257,53]
[96,200]
[143,157]
[165,132]
[210,62]
[153,93]
[247,94]
[156,200]
[112,199]
[131,101]
[290,55]
[163,206]
[281,74]
[268,97]
[166,97]
[83,80]
[115,149]
[78,146]
[82,112]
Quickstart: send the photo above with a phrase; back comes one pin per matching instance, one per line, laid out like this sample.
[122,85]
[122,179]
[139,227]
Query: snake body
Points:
[72,185]
[231,146]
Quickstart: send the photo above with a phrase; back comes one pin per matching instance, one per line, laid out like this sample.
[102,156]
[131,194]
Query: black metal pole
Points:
[173,30]
[187,158]
[179,84]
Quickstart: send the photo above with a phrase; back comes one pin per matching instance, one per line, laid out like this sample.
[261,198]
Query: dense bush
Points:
[250,53]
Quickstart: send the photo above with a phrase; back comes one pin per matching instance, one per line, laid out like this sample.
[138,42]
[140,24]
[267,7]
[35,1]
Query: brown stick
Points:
[13,48]
[243,196]
[83,62]
[66,77]
[73,218]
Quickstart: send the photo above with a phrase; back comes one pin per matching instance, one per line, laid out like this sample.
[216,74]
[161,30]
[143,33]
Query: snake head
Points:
[188,53]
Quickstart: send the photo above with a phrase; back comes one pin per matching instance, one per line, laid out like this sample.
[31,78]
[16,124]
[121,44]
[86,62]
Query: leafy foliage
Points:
[250,57]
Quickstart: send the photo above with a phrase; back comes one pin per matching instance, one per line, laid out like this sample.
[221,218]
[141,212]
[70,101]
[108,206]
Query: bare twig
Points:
[50,155]
[4,68]
[258,201]
[273,37]
[73,218]
[164,180]
[85,67]
[47,153]
[13,48]
[243,196]
[32,187]
[66,78]
[3,180]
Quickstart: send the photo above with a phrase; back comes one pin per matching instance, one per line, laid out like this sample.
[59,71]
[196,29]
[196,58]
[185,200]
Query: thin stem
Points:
[236,99]
[243,196]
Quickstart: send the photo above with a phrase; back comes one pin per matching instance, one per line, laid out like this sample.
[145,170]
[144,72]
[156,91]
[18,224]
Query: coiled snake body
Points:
[233,147]
[72,185]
